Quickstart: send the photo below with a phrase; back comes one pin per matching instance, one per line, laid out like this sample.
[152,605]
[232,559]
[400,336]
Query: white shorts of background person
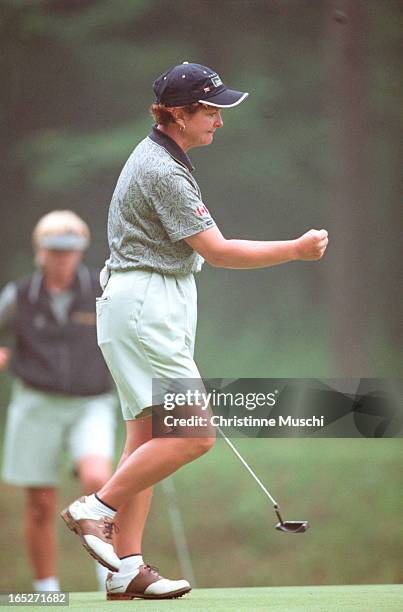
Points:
[43,428]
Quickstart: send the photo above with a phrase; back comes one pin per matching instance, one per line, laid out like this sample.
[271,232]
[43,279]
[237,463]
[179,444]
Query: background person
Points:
[159,231]
[61,397]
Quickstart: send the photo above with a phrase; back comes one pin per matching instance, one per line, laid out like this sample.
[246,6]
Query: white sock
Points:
[98,508]
[130,565]
[101,573]
[129,568]
[46,584]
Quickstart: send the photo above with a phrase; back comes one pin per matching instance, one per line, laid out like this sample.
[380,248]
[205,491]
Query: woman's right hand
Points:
[5,355]
[311,245]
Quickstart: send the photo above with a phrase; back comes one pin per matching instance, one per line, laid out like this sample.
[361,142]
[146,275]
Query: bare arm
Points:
[5,355]
[242,254]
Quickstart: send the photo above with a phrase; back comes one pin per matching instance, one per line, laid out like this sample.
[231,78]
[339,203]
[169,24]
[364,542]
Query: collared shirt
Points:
[156,203]
[172,147]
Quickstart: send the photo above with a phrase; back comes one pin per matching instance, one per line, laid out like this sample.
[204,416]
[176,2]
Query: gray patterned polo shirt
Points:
[156,203]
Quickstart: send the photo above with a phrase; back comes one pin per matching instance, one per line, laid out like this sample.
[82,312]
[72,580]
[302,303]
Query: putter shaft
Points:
[251,472]
[287,526]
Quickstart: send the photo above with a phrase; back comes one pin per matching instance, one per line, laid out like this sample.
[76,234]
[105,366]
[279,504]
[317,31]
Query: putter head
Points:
[293,526]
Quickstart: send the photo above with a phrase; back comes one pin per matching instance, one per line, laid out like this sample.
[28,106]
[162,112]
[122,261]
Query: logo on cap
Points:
[216,81]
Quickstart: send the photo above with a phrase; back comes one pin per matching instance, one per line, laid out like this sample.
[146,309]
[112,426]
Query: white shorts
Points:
[41,426]
[146,325]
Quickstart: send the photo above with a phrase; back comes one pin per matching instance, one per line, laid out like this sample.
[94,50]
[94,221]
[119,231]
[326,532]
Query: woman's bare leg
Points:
[151,462]
[40,533]
[133,514]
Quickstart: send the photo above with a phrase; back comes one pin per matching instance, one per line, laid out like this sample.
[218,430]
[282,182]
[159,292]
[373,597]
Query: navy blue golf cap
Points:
[188,83]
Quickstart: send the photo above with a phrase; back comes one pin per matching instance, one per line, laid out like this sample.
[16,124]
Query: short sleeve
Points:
[178,204]
[8,304]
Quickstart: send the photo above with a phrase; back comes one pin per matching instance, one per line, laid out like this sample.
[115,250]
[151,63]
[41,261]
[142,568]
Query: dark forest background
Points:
[317,144]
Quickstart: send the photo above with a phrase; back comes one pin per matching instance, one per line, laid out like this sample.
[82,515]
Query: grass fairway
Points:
[376,598]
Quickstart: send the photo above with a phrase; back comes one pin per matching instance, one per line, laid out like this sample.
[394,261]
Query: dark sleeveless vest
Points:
[54,357]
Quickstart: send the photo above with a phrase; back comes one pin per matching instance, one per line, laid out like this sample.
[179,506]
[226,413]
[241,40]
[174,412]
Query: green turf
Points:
[362,598]
[348,489]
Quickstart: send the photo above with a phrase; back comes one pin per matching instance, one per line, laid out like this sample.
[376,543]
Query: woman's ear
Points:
[178,115]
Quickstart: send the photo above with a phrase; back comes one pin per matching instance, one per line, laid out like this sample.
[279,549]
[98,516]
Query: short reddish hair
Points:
[163,116]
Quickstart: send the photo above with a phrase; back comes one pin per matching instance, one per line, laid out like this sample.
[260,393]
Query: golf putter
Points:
[286,526]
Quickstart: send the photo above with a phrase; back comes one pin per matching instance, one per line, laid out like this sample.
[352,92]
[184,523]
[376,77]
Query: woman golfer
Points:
[159,231]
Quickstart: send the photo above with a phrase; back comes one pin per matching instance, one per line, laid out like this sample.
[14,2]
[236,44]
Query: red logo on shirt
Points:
[202,211]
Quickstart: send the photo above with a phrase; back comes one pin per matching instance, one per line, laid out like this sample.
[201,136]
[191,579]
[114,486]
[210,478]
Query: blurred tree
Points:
[76,87]
[351,264]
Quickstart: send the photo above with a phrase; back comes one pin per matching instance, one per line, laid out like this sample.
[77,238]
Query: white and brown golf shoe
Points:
[145,583]
[95,532]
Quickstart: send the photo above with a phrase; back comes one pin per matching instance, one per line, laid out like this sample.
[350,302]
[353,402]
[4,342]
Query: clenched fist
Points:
[4,357]
[312,245]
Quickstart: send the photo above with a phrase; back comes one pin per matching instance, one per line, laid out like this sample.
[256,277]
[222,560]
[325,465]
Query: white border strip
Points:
[245,95]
